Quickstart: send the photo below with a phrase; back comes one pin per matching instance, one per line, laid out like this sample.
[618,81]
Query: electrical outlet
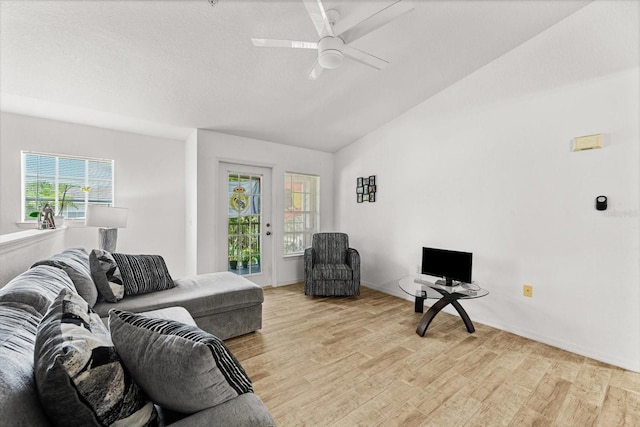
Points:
[527,290]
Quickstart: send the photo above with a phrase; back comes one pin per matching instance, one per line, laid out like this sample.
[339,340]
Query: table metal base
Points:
[446,299]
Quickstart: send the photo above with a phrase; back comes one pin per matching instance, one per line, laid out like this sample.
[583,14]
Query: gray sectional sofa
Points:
[221,304]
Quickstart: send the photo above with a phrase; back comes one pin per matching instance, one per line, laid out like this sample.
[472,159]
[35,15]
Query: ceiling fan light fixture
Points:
[330,58]
[330,52]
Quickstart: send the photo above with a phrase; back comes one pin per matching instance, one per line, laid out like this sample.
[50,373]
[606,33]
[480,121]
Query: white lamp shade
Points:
[105,216]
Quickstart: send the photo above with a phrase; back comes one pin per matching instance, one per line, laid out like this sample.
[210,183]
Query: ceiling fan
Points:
[331,47]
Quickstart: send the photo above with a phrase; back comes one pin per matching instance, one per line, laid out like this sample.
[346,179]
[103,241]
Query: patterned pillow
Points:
[181,367]
[106,275]
[75,262]
[142,274]
[79,376]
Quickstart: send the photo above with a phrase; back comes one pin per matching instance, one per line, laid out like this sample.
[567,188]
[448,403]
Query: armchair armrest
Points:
[308,263]
[353,261]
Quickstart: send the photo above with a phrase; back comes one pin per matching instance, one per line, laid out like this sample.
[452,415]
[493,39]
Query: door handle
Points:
[268,233]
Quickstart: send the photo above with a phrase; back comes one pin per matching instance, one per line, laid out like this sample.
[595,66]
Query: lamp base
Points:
[107,238]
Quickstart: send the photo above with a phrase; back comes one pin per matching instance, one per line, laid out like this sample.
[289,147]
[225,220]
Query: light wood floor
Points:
[358,361]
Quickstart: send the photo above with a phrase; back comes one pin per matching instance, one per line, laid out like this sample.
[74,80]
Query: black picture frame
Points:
[366,189]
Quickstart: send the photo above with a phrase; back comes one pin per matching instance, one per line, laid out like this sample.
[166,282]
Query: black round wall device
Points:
[601,203]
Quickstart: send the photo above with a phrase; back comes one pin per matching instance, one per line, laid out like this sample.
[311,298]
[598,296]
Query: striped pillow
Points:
[180,366]
[142,274]
[79,376]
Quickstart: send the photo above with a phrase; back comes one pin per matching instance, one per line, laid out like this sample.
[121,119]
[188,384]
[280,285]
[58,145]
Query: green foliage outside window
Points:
[244,239]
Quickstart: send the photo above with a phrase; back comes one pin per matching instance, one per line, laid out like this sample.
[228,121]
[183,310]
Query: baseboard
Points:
[396,291]
[288,282]
[631,365]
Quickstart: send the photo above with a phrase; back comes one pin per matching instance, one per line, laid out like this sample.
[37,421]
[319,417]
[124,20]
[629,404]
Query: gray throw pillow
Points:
[75,262]
[142,274]
[181,367]
[106,275]
[79,376]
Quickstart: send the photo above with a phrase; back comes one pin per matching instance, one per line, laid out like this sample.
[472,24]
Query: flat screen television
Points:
[450,265]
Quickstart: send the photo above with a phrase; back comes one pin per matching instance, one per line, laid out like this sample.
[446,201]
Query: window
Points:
[67,183]
[301,211]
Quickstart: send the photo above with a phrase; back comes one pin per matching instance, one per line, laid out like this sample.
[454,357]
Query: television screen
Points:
[451,265]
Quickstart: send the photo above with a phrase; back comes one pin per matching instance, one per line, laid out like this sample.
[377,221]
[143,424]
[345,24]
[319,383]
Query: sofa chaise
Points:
[223,304]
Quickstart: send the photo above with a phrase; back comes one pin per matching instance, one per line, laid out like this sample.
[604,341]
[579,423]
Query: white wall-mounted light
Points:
[588,142]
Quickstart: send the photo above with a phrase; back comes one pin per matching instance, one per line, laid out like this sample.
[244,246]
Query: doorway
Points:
[245,199]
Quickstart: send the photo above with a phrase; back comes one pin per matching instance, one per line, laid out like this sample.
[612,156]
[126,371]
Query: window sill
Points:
[68,223]
[293,256]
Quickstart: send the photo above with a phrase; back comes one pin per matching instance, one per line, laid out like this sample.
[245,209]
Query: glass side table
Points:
[422,289]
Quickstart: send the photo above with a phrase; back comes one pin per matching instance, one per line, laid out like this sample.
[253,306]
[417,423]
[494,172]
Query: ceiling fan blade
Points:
[284,43]
[319,17]
[365,58]
[376,21]
[316,70]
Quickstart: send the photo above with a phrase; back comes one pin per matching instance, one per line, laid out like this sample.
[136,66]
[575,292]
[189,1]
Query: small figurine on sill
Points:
[47,217]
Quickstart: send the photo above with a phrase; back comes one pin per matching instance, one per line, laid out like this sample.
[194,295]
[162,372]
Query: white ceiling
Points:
[165,67]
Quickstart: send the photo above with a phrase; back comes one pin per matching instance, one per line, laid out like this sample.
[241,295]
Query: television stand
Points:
[422,289]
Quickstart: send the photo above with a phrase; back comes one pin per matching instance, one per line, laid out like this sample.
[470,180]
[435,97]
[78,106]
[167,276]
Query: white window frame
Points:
[300,223]
[87,200]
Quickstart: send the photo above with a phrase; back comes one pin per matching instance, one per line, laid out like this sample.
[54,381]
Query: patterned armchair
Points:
[331,267]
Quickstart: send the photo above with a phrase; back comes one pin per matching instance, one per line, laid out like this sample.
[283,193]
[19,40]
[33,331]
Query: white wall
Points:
[491,172]
[170,187]
[213,148]
[149,181]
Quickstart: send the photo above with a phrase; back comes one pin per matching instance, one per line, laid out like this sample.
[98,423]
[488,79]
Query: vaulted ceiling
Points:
[165,67]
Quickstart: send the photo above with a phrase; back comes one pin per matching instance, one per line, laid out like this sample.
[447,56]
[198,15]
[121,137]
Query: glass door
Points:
[244,221]
[247,246]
